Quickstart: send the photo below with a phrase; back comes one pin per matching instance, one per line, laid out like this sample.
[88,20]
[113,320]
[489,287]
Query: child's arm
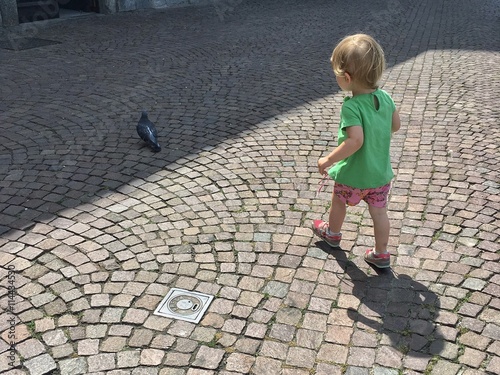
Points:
[351,144]
[396,122]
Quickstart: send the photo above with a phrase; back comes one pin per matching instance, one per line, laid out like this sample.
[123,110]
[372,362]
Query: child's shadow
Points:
[396,306]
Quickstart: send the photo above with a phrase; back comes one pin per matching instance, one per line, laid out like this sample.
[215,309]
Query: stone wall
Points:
[8,13]
[9,17]
[113,6]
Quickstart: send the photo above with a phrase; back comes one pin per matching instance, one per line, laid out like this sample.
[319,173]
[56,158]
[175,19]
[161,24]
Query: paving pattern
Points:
[95,228]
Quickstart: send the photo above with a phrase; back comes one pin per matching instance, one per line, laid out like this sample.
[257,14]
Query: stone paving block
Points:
[76,333]
[326,369]
[226,339]
[101,362]
[111,315]
[42,299]
[113,344]
[295,371]
[301,357]
[489,315]
[353,370]
[474,340]
[333,353]
[266,366]
[30,348]
[151,357]
[492,331]
[315,321]
[42,364]
[309,339]
[73,366]
[71,295]
[21,333]
[100,299]
[62,351]
[157,323]
[177,359]
[120,330]
[472,357]
[55,307]
[91,316]
[240,311]
[54,338]
[445,367]
[193,371]
[241,363]
[221,306]
[247,345]
[494,348]
[234,326]
[251,299]
[129,358]
[274,349]
[140,338]
[88,347]
[389,357]
[362,357]
[289,315]
[416,362]
[44,324]
[320,304]
[208,358]
[256,330]
[135,316]
[494,365]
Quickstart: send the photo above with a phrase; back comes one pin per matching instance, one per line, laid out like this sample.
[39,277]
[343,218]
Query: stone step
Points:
[29,11]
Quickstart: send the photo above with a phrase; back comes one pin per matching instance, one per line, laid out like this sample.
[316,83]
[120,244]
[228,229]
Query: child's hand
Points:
[323,165]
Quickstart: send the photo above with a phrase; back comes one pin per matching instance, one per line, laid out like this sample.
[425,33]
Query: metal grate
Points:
[20,44]
[184,305]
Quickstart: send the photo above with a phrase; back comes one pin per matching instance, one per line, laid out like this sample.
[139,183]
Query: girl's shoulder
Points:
[384,96]
[382,92]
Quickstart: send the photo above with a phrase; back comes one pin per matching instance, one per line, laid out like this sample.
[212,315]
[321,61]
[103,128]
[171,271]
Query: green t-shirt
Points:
[370,166]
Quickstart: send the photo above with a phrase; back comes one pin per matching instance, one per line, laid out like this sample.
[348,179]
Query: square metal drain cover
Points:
[20,44]
[184,305]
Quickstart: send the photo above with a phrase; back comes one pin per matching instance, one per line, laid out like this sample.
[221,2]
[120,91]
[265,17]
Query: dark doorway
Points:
[80,5]
[41,10]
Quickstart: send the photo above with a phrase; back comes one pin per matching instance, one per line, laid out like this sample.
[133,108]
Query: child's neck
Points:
[356,92]
[362,90]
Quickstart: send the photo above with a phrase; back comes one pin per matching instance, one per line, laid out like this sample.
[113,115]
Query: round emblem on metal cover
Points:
[184,305]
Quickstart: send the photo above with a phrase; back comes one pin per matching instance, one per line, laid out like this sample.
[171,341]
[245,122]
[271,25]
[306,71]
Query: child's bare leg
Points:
[381,227]
[337,214]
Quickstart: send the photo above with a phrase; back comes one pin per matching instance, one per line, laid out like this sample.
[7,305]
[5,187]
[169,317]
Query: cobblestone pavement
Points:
[96,229]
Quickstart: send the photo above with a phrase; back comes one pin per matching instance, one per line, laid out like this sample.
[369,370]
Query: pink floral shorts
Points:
[376,197]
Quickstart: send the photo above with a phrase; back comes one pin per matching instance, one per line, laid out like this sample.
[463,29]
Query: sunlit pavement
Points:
[96,229]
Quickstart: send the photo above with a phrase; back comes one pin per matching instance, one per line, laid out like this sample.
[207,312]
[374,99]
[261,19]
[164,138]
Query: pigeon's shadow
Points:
[394,305]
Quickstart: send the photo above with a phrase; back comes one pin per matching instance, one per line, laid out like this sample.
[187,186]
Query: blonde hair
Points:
[361,57]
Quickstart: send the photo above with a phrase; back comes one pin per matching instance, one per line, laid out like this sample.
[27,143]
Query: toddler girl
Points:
[361,165]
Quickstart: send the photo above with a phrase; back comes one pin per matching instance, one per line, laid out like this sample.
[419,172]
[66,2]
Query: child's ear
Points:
[347,77]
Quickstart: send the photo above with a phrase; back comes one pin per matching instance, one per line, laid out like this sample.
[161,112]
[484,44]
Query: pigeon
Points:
[147,131]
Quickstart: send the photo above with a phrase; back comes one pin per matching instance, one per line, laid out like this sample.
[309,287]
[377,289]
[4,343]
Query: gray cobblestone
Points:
[62,351]
[54,338]
[208,358]
[30,348]
[101,362]
[42,364]
[73,366]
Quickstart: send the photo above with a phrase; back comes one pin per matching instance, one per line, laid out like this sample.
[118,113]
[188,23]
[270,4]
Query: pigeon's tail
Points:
[153,143]
[155,147]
